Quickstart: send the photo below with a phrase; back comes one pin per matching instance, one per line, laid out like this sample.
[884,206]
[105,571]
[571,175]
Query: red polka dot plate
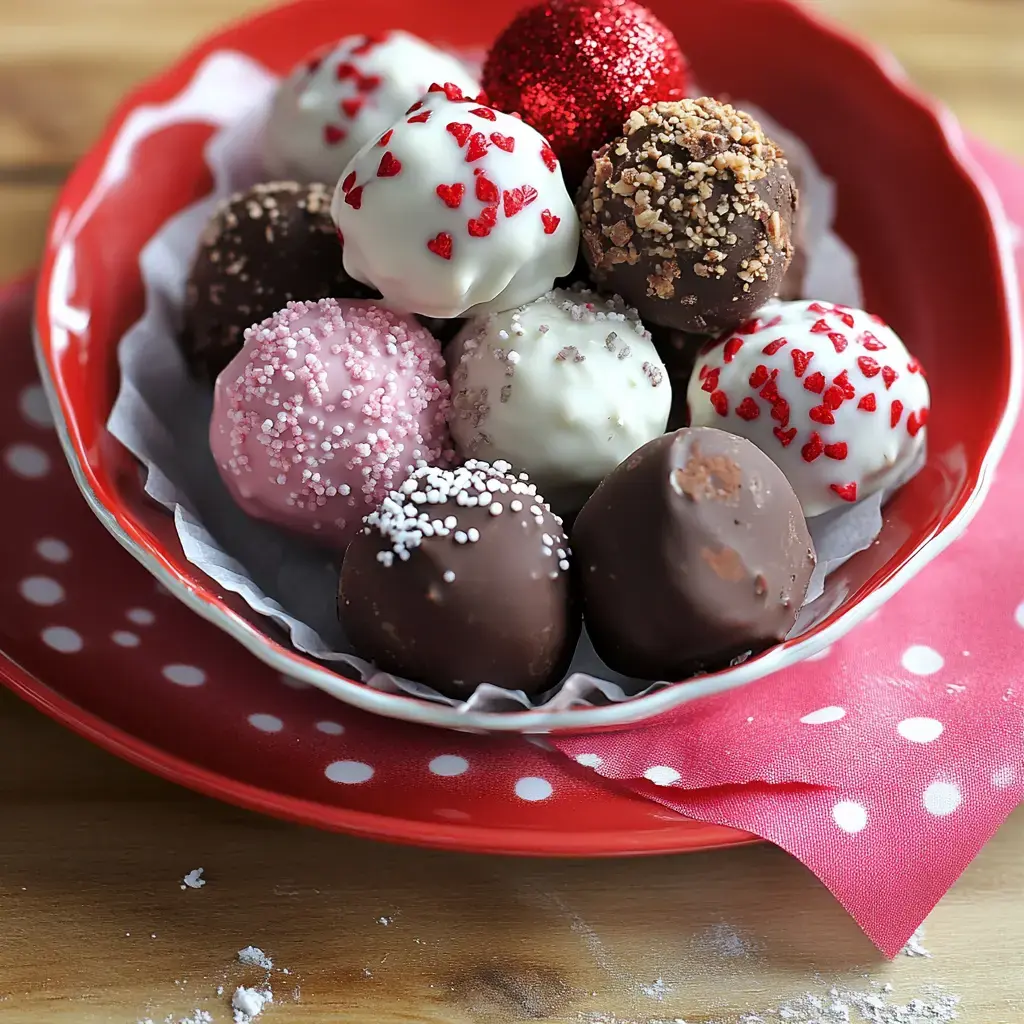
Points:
[926,226]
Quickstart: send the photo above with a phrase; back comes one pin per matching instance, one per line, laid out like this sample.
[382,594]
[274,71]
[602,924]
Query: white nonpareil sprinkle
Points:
[194,879]
[255,957]
[249,1003]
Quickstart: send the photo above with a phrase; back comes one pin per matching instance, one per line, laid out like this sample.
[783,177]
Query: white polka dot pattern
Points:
[53,550]
[349,773]
[448,765]
[330,728]
[34,407]
[824,715]
[41,590]
[920,730]
[184,675]
[533,789]
[28,461]
[63,639]
[265,723]
[922,661]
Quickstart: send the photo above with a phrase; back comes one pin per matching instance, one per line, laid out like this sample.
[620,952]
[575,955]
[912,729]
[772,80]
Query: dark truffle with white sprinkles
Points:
[262,249]
[689,215]
[462,577]
[692,553]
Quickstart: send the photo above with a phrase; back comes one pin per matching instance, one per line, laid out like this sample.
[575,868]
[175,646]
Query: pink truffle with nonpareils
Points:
[323,413]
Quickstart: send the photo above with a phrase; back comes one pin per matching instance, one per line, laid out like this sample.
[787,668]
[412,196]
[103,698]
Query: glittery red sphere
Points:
[576,69]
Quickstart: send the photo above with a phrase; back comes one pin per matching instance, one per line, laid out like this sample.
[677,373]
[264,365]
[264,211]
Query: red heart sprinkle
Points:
[889,375]
[833,397]
[822,414]
[415,106]
[785,436]
[345,70]
[389,166]
[720,403]
[868,403]
[481,227]
[704,371]
[368,43]
[732,346]
[870,342]
[441,245]
[759,376]
[878,319]
[333,135]
[770,392]
[421,118]
[355,197]
[837,451]
[821,328]
[848,492]
[386,137]
[815,383]
[896,412]
[773,346]
[842,381]
[353,105]
[460,131]
[915,367]
[915,421]
[711,380]
[839,341]
[477,147]
[435,87]
[451,195]
[505,142]
[780,412]
[868,366]
[547,154]
[367,83]
[487,115]
[517,198]
[350,180]
[800,361]
[748,409]
[813,449]
[551,222]
[453,92]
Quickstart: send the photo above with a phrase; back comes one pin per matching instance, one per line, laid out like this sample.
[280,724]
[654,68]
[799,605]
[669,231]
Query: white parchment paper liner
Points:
[162,416]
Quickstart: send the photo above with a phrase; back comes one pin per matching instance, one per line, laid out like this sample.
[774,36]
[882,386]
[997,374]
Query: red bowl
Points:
[928,231]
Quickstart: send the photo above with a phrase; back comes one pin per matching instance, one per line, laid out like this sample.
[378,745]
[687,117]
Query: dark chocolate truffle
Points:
[262,249]
[462,577]
[692,553]
[688,215]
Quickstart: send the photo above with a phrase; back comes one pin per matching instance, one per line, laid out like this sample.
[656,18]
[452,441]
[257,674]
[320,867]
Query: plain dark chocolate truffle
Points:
[274,244]
[692,553]
[688,216]
[462,577]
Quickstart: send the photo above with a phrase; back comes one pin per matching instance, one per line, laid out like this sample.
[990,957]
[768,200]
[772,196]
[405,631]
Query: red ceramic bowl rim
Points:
[949,140]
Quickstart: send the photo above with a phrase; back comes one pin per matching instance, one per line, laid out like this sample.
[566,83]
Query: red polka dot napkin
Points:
[886,762]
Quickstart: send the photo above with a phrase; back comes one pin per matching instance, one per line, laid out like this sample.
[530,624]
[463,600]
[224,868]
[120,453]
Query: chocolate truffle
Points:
[262,249]
[462,577]
[830,393]
[324,410]
[688,215]
[692,553]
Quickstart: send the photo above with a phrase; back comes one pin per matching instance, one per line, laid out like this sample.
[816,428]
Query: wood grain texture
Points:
[94,926]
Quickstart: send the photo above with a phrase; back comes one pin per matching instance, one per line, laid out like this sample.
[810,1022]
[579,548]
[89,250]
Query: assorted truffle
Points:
[262,249]
[463,577]
[324,411]
[689,214]
[563,388]
[339,99]
[691,554]
[456,210]
[830,393]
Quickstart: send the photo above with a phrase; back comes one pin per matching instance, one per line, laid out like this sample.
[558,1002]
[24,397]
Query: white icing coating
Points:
[830,393]
[461,211]
[564,388]
[334,102]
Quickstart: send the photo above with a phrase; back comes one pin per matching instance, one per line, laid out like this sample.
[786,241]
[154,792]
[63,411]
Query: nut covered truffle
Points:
[262,249]
[692,553]
[688,216]
[462,577]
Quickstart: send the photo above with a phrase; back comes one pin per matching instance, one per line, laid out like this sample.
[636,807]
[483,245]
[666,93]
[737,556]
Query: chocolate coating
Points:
[262,249]
[462,577]
[688,216]
[692,553]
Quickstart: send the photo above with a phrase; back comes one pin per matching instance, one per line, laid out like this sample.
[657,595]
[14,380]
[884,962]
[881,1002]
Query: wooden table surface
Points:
[94,926]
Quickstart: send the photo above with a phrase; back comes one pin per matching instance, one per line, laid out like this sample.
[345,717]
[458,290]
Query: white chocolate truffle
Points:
[564,388]
[829,393]
[456,210]
[336,101]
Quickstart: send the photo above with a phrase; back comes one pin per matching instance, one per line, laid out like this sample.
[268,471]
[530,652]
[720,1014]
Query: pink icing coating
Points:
[324,411]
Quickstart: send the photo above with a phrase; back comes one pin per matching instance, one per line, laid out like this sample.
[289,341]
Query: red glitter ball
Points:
[576,69]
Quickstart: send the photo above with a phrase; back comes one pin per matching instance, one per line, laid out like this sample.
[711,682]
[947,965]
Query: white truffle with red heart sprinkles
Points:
[323,412]
[339,98]
[456,210]
[830,393]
